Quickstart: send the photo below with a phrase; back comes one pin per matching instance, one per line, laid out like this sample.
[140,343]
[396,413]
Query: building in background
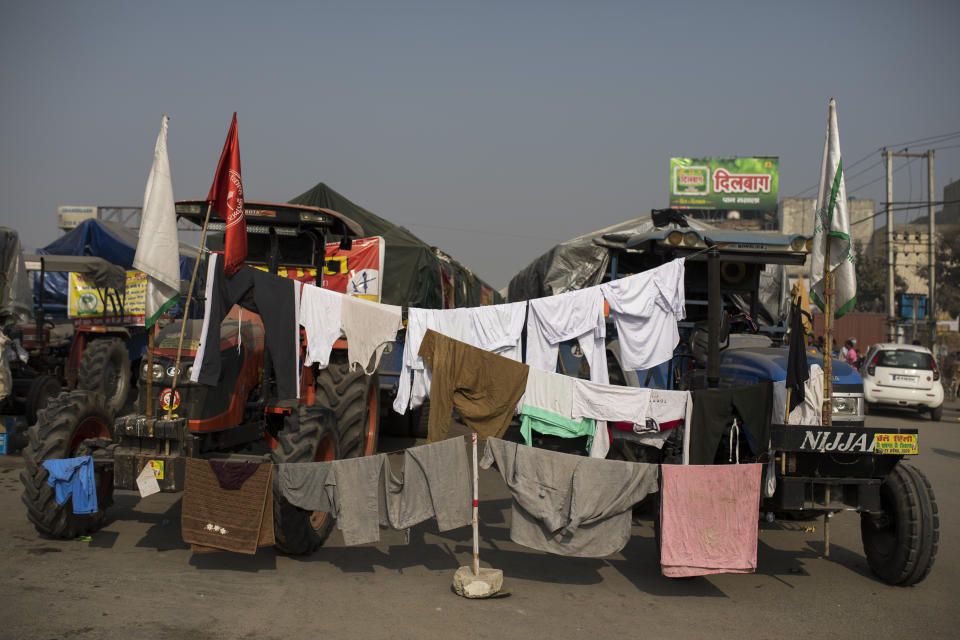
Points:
[795,215]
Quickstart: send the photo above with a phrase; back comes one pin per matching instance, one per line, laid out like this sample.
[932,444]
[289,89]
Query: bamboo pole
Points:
[186,310]
[476,505]
[827,410]
[151,341]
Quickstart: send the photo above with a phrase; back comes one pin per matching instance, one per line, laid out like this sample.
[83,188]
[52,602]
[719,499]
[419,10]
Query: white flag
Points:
[158,248]
[833,221]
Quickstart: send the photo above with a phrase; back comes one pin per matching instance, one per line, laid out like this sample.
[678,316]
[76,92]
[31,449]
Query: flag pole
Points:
[827,411]
[186,310]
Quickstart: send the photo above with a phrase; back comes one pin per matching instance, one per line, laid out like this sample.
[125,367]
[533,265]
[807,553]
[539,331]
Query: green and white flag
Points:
[158,247]
[832,223]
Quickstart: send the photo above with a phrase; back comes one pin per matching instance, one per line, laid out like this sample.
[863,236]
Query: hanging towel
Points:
[320,311]
[645,308]
[73,478]
[574,315]
[483,387]
[566,504]
[274,299]
[238,520]
[708,519]
[368,327]
[810,410]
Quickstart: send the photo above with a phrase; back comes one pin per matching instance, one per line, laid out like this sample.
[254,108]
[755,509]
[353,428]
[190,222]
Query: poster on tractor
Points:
[356,271]
[85,302]
[724,184]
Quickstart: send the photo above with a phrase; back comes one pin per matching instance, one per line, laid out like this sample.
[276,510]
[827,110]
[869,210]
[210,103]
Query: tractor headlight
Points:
[691,238]
[157,371]
[675,238]
[846,405]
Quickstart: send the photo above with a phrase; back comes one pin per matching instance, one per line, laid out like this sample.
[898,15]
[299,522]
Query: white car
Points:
[902,375]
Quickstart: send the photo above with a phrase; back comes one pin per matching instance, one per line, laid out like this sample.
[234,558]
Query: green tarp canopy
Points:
[411,274]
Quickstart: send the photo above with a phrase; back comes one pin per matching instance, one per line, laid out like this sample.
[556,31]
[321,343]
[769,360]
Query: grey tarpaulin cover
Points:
[583,261]
[412,270]
[103,274]
[16,299]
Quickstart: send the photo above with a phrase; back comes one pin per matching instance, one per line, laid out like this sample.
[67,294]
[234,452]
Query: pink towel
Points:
[708,519]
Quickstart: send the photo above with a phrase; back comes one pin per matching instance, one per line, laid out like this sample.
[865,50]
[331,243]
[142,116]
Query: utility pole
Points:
[931,254]
[891,315]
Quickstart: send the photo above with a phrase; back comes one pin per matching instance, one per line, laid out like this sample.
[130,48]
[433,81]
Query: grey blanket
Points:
[566,504]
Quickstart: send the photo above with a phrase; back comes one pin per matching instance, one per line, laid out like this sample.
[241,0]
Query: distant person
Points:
[820,344]
[851,355]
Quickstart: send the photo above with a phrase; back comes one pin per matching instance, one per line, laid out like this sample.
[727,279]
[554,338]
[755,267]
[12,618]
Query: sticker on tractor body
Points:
[901,444]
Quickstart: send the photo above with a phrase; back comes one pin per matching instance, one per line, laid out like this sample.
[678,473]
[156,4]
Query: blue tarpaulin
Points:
[110,241]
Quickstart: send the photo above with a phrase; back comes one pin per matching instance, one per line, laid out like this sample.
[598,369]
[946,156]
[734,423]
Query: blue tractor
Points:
[737,305]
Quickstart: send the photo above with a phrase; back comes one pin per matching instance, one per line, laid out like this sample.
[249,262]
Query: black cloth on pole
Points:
[797,370]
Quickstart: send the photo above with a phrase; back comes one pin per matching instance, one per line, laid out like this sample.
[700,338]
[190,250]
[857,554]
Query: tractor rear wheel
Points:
[73,424]
[43,388]
[308,435]
[105,367]
[354,398]
[901,542]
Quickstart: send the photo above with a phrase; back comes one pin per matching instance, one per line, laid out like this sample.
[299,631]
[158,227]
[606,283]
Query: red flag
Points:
[226,198]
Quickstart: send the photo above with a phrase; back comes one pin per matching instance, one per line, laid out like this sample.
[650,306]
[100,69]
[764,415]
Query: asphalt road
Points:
[137,579]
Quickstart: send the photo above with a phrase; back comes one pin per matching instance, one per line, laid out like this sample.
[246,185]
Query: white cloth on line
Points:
[645,308]
[368,327]
[568,316]
[494,328]
[604,402]
[549,391]
[320,311]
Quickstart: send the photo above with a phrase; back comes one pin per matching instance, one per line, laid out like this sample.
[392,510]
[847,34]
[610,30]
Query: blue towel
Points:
[73,477]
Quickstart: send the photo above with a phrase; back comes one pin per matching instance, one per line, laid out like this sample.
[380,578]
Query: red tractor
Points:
[239,419]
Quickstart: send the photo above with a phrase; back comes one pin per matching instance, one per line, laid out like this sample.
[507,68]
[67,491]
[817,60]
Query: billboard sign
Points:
[724,184]
[69,217]
[85,303]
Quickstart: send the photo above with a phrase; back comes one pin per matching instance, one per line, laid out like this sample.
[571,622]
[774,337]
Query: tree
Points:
[872,282]
[947,270]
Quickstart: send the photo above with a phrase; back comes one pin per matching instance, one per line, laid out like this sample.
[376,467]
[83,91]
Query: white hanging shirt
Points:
[320,311]
[568,316]
[646,307]
[368,327]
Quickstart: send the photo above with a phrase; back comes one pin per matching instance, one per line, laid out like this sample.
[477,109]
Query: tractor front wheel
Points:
[901,542]
[73,425]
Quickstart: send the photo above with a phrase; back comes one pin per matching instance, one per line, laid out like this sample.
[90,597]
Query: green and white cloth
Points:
[832,223]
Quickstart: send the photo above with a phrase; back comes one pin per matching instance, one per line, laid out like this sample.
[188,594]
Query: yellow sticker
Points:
[901,444]
[157,466]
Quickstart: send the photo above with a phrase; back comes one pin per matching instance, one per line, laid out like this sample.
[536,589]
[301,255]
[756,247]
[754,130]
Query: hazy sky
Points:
[490,129]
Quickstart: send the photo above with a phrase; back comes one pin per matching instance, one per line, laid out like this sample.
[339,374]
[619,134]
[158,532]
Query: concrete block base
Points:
[489,582]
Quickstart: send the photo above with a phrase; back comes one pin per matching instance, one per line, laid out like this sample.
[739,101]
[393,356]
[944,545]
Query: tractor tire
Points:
[72,425]
[308,435]
[354,399]
[105,368]
[42,390]
[901,543]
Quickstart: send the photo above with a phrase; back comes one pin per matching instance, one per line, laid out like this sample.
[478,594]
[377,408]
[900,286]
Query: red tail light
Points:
[872,367]
[936,372]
